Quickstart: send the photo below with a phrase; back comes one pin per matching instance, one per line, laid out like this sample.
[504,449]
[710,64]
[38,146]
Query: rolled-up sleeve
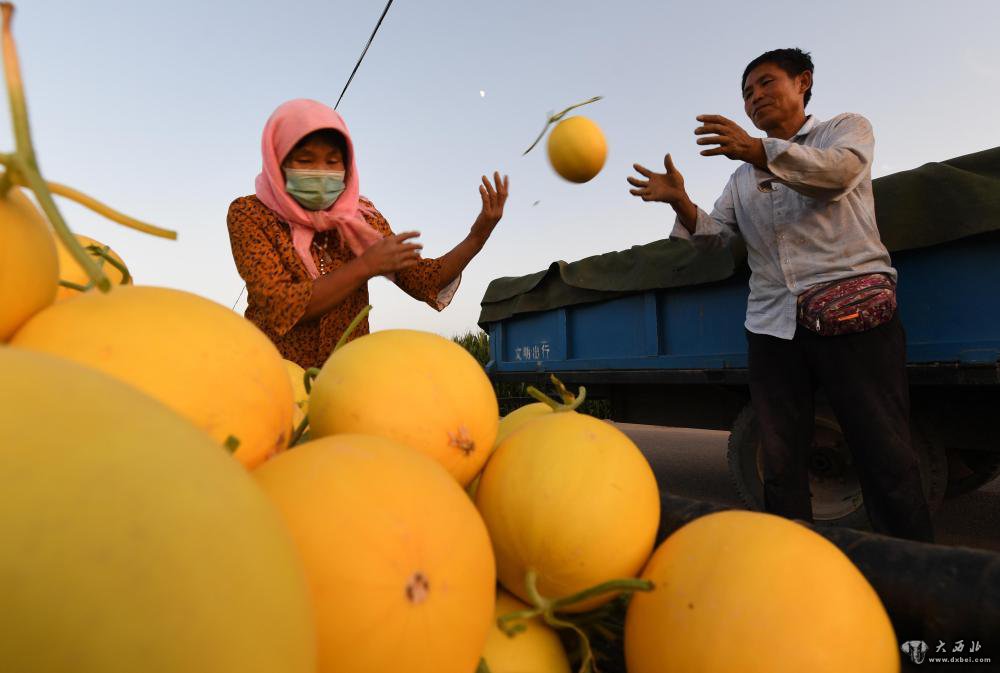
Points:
[277,301]
[423,280]
[715,230]
[827,172]
[422,283]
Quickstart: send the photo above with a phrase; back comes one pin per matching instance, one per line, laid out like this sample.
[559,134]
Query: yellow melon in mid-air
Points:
[755,593]
[397,558]
[577,149]
[70,270]
[29,272]
[420,389]
[197,357]
[131,542]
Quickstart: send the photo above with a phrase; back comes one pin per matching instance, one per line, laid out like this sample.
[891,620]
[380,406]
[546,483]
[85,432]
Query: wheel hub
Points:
[833,481]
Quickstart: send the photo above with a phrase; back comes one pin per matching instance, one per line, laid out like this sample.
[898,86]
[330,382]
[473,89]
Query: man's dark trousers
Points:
[864,378]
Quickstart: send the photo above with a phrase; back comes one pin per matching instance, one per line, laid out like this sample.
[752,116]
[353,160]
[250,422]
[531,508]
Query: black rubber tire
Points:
[742,459]
[969,470]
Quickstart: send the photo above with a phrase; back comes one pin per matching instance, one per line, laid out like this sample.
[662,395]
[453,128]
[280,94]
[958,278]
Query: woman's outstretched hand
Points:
[494,197]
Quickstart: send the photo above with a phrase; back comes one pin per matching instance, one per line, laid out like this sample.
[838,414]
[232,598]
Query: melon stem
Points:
[362,314]
[587,664]
[308,378]
[73,286]
[299,432]
[105,254]
[41,190]
[505,625]
[553,118]
[531,586]
[564,393]
[612,586]
[581,396]
[107,211]
[15,89]
[6,181]
[547,608]
[24,164]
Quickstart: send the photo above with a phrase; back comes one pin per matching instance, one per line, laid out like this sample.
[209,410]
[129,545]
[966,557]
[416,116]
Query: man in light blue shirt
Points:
[801,199]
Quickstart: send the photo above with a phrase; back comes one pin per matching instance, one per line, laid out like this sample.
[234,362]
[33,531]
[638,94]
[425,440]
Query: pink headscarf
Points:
[291,122]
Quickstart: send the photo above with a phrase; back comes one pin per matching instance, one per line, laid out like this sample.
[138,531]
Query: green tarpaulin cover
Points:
[935,203]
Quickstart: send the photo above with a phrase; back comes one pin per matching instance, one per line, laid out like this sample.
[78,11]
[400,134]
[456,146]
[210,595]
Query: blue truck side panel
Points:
[949,298]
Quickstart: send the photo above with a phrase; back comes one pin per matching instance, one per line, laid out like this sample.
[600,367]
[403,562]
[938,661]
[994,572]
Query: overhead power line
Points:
[362,57]
[236,303]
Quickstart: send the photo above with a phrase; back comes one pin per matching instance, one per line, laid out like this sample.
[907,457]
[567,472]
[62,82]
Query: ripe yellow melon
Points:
[753,592]
[29,272]
[417,388]
[130,541]
[572,498]
[577,149]
[519,417]
[509,424]
[300,397]
[397,558]
[537,649]
[197,357]
[70,270]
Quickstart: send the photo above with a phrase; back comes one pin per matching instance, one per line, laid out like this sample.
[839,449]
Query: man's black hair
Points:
[793,61]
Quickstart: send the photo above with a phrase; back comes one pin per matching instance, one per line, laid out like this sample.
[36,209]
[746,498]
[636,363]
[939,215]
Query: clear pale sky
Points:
[157,109]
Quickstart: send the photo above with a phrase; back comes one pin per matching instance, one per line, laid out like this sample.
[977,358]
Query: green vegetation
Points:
[510,396]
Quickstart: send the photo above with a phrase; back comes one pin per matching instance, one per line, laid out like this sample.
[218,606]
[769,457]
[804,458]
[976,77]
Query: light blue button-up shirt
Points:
[809,219]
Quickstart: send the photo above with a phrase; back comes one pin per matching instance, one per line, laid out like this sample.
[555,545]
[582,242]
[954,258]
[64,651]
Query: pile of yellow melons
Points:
[138,542]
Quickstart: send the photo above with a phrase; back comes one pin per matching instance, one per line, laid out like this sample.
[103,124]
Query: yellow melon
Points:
[753,592]
[397,558]
[519,417]
[70,270]
[577,149]
[300,397]
[417,388]
[537,649]
[509,424]
[130,541]
[572,498]
[29,272]
[197,357]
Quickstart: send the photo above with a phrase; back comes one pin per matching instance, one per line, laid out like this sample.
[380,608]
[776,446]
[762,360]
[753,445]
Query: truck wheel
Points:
[969,469]
[833,480]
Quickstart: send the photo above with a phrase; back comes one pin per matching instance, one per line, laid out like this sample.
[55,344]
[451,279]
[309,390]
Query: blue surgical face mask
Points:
[314,189]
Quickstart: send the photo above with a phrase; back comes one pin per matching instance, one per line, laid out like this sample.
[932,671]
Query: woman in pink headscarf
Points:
[306,243]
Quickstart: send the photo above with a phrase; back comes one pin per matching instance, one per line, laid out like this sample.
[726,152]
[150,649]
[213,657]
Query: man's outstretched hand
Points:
[666,187]
[733,142]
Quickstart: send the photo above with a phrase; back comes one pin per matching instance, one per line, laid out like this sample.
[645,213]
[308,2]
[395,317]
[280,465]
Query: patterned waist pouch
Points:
[850,305]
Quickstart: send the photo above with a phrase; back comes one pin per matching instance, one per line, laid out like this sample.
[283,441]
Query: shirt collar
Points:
[765,181]
[806,127]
